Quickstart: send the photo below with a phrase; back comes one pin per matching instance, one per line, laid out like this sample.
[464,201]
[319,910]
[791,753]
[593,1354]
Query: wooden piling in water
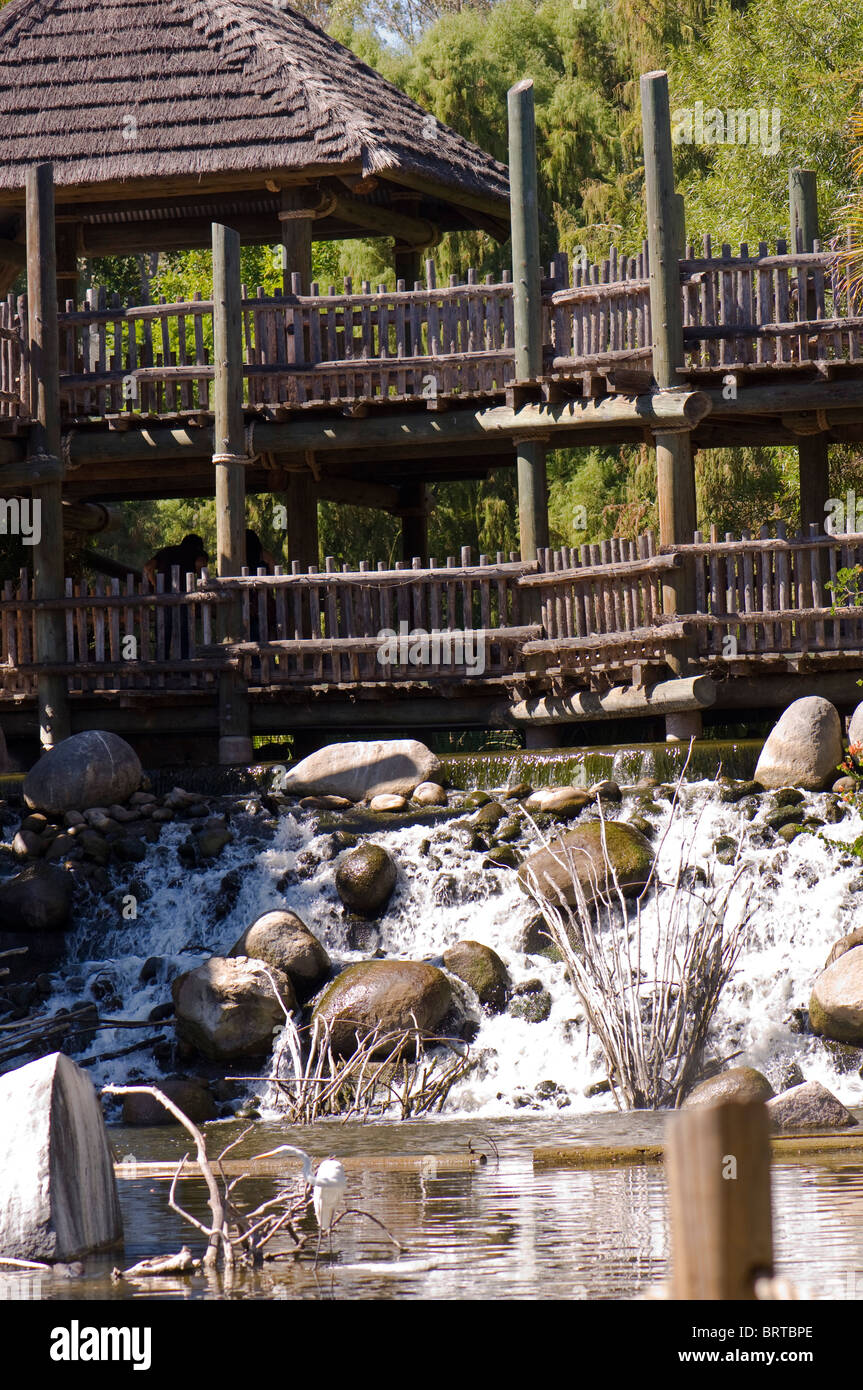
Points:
[718,1161]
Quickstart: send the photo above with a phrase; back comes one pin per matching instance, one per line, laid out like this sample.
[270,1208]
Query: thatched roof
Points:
[144,90]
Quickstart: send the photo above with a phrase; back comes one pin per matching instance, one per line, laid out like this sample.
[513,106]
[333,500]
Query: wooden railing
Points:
[774,596]
[417,344]
[740,312]
[573,616]
[331,627]
[11,385]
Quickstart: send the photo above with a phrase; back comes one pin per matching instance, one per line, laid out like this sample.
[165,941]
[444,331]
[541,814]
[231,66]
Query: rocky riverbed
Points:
[173,915]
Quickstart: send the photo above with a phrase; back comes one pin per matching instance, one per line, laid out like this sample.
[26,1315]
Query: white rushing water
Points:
[802,897]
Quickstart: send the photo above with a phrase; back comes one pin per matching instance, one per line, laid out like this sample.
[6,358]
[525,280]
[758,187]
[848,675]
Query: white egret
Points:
[328,1185]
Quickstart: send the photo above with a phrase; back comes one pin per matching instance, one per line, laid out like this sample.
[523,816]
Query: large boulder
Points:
[582,854]
[483,970]
[810,1106]
[365,879]
[389,994]
[191,1095]
[283,940]
[58,1197]
[361,770]
[836,1003]
[736,1083]
[89,769]
[804,747]
[227,1009]
[36,900]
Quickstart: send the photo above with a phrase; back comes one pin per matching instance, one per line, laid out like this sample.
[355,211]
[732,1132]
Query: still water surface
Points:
[502,1230]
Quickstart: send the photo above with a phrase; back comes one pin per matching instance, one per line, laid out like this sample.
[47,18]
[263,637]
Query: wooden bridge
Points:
[367,397]
[576,635]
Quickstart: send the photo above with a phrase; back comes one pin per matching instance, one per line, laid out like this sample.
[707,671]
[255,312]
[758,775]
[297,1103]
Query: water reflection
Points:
[504,1230]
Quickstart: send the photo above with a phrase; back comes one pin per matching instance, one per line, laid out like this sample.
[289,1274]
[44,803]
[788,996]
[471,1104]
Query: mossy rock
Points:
[474,800]
[737,1083]
[785,815]
[790,832]
[489,814]
[509,829]
[483,970]
[502,857]
[390,994]
[643,826]
[725,849]
[836,1003]
[628,852]
[788,796]
[736,791]
[365,879]
[533,1008]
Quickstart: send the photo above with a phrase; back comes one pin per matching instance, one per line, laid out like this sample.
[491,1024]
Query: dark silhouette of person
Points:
[190,557]
[258,558]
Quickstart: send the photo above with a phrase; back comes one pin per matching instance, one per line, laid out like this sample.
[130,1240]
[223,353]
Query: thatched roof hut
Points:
[161,115]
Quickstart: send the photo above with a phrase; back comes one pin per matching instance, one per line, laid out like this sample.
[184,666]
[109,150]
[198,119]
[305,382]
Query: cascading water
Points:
[804,896]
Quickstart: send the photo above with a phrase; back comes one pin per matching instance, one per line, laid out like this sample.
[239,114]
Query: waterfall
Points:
[804,896]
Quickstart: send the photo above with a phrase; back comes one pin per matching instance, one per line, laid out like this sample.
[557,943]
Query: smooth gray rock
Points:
[282,939]
[836,1002]
[37,899]
[735,1083]
[227,1009]
[810,1106]
[804,747]
[89,769]
[58,1197]
[363,770]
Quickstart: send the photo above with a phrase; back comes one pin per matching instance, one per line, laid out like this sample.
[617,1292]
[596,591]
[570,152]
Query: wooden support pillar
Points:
[296,239]
[812,451]
[527,306]
[718,1164]
[68,234]
[229,460]
[414,515]
[45,448]
[408,265]
[301,501]
[675,473]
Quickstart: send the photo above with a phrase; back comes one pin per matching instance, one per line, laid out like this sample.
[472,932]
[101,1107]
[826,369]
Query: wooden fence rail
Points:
[741,312]
[422,623]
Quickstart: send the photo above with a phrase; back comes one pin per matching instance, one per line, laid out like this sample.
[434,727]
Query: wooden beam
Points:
[527,308]
[45,443]
[235,743]
[408,432]
[418,232]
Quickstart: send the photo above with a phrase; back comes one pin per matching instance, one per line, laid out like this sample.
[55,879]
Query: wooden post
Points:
[408,264]
[229,460]
[301,501]
[67,240]
[296,238]
[812,450]
[718,1163]
[675,474]
[527,306]
[46,449]
[414,515]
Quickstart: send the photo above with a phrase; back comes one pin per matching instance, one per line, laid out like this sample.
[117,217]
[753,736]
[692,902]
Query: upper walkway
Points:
[763,316]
